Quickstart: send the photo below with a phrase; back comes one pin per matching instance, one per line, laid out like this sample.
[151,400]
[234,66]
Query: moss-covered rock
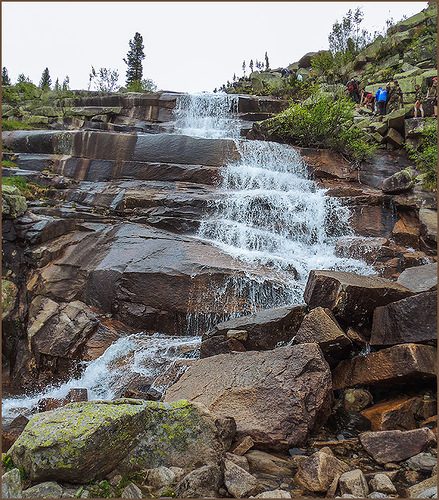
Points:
[84,441]
[9,296]
[14,203]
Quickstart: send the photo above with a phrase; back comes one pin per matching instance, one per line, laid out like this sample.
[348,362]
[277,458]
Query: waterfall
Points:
[272,215]
[153,361]
[207,115]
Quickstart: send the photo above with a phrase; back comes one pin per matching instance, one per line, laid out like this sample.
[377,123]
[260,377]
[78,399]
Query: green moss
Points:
[9,296]
[30,190]
[17,125]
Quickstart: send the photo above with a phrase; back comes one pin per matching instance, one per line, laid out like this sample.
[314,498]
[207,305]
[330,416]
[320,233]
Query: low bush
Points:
[30,190]
[16,125]
[425,156]
[322,122]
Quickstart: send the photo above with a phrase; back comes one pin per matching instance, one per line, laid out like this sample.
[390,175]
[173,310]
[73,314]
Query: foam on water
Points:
[134,358]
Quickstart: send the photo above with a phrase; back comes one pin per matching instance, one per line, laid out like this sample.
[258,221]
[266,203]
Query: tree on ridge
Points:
[45,81]
[5,77]
[134,60]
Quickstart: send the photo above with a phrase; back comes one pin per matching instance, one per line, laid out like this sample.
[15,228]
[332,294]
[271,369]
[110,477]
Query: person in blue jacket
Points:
[381,100]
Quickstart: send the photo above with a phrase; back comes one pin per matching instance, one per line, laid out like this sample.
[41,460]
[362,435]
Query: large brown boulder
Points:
[395,446]
[320,326]
[260,331]
[399,363]
[351,297]
[277,397]
[413,319]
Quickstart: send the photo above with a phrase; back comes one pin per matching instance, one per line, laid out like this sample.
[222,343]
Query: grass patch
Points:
[17,125]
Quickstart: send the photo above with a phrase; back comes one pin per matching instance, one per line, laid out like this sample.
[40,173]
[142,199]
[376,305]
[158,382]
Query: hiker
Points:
[352,88]
[395,98]
[432,95]
[418,102]
[285,72]
[381,100]
[368,100]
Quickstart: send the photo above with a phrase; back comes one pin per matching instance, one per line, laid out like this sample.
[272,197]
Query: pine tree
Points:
[267,63]
[45,81]
[251,65]
[65,83]
[243,67]
[5,77]
[57,87]
[134,60]
[234,77]
[22,78]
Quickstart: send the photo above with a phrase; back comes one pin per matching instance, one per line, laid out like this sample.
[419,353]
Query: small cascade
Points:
[152,361]
[208,115]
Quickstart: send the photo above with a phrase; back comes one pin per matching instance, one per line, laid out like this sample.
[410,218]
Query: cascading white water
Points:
[271,214]
[150,360]
[207,115]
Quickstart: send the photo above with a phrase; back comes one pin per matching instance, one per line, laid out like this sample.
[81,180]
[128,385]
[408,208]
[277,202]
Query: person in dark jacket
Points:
[418,102]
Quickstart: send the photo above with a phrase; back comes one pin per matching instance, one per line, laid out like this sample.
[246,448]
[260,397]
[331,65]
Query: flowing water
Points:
[271,216]
[144,360]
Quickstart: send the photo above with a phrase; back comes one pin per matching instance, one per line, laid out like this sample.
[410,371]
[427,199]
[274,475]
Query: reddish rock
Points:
[351,297]
[399,363]
[321,327]
[47,404]
[395,414]
[395,446]
[413,319]
[406,232]
[11,431]
[243,446]
[276,397]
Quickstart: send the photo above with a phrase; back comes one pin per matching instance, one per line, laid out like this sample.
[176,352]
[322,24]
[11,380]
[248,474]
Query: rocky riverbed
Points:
[303,291]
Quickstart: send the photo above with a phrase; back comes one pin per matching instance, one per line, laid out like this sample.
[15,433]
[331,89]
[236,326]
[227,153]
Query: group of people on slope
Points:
[390,97]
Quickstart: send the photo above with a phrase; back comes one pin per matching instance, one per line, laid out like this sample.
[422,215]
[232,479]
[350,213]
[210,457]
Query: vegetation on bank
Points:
[425,156]
[323,122]
[30,190]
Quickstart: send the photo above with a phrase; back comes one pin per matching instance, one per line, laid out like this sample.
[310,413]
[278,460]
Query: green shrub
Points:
[322,62]
[425,156]
[322,122]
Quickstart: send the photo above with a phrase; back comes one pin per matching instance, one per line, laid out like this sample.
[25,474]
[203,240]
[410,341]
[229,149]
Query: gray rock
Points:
[131,491]
[424,462]
[11,484]
[239,482]
[377,494]
[160,477]
[419,278]
[399,183]
[424,489]
[48,489]
[202,482]
[354,483]
[382,483]
[274,494]
[13,202]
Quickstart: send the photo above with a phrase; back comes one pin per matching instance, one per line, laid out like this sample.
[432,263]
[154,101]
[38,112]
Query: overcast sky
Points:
[189,46]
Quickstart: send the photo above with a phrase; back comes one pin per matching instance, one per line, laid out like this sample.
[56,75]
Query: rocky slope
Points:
[334,395]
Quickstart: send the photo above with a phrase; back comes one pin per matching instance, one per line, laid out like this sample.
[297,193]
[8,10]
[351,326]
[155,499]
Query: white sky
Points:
[189,46]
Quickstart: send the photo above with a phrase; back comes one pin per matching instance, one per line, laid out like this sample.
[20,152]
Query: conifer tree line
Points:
[101,79]
[255,65]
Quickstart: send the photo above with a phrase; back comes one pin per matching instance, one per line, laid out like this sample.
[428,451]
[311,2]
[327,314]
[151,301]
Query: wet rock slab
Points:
[351,297]
[260,331]
[397,364]
[413,319]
